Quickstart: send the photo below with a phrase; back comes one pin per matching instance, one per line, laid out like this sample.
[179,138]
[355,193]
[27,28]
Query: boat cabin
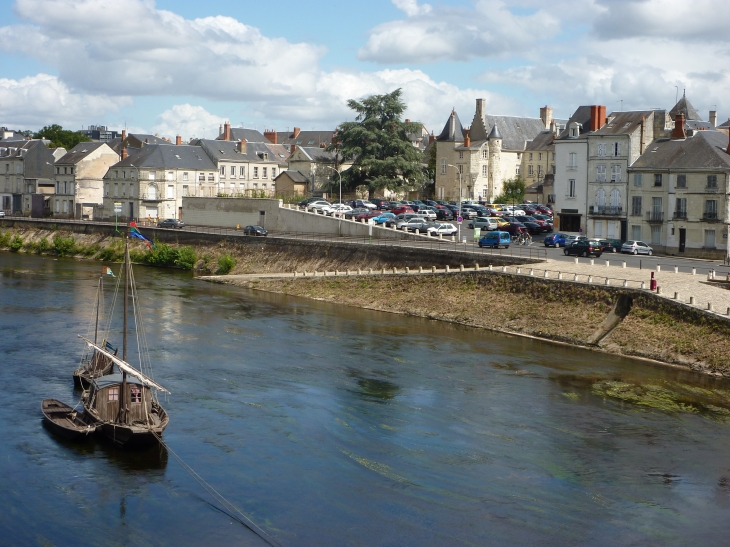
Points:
[105,394]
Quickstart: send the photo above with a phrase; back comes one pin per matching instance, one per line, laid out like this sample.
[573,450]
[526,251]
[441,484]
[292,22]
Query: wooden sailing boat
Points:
[66,421]
[124,406]
[96,364]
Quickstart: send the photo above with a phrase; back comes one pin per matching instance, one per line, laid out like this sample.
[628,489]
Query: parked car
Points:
[320,206]
[636,247]
[571,238]
[339,209]
[2,213]
[382,204]
[307,201]
[401,208]
[487,223]
[358,203]
[254,231]
[607,246]
[170,223]
[385,219]
[495,240]
[583,247]
[556,240]
[442,228]
[372,213]
[426,212]
[353,214]
[444,213]
[515,228]
[413,224]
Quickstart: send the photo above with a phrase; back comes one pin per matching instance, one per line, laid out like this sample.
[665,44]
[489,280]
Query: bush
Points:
[4,239]
[225,264]
[162,255]
[186,258]
[39,247]
[16,243]
[138,256]
[112,253]
[64,246]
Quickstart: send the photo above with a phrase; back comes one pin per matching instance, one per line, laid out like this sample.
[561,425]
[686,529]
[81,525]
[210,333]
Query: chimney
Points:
[146,141]
[124,135]
[713,118]
[728,143]
[431,138]
[408,121]
[322,145]
[241,147]
[546,114]
[678,131]
[481,108]
[467,139]
[227,131]
[178,140]
[271,135]
[553,128]
[296,132]
[293,148]
[220,130]
[642,143]
[602,118]
[124,153]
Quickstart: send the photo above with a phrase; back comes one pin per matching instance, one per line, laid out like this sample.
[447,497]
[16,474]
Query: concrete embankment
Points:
[610,319]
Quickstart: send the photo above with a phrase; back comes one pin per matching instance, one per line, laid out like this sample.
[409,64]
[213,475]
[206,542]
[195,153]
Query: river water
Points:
[334,426]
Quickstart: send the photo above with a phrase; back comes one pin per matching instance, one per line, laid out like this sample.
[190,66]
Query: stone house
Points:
[679,194]
[153,182]
[27,170]
[318,165]
[474,163]
[80,179]
[312,139]
[291,183]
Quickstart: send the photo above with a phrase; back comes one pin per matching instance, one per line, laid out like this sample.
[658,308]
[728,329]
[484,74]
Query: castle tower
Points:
[495,163]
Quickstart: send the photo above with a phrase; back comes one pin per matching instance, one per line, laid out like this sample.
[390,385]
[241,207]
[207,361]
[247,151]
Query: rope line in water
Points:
[229,507]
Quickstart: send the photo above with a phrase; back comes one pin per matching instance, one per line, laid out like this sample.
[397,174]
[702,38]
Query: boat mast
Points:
[122,395]
[98,299]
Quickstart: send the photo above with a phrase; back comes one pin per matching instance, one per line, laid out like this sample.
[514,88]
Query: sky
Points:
[183,67]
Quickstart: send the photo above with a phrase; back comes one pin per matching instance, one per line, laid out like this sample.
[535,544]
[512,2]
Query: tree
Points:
[377,143]
[60,137]
[513,191]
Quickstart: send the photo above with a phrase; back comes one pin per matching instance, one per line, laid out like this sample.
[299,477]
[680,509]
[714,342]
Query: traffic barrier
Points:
[623,265]
[676,269]
[608,281]
[519,270]
[447,268]
[433,269]
[676,295]
[408,270]
[592,262]
[691,300]
[590,279]
[658,290]
[694,271]
[420,269]
[709,306]
[461,267]
[607,263]
[658,268]
[575,260]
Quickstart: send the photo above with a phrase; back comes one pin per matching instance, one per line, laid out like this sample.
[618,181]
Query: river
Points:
[332,426]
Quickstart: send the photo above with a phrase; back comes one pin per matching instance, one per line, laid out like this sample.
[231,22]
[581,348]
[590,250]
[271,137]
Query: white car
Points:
[487,223]
[366,203]
[2,213]
[339,209]
[636,247]
[425,213]
[571,238]
[445,229]
[320,207]
[413,224]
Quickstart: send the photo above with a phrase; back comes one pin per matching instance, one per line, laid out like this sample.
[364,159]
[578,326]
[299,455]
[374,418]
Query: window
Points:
[637,179]
[255,172]
[657,179]
[601,148]
[170,175]
[601,173]
[116,174]
[539,156]
[615,198]
[680,208]
[113,394]
[598,228]
[124,190]
[571,188]
[616,149]
[65,170]
[539,171]
[186,190]
[242,171]
[461,155]
[136,394]
[152,191]
[223,170]
[263,172]
[530,156]
[151,175]
[517,170]
[58,206]
[233,170]
[131,190]
[131,175]
[116,189]
[656,234]
[201,177]
[443,167]
[636,233]
[636,206]
[711,209]
[58,169]
[211,177]
[185,176]
[460,168]
[682,181]
[572,161]
[124,174]
[712,181]
[170,191]
[106,189]
[255,185]
[615,173]
[485,153]
[611,229]
[601,197]
[263,186]
[273,172]
[529,170]
[709,239]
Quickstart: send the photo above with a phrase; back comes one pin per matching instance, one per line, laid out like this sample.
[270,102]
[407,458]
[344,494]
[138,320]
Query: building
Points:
[474,163]
[245,168]
[153,182]
[680,193]
[319,166]
[79,178]
[27,177]
[291,183]
[237,134]
[313,139]
[99,133]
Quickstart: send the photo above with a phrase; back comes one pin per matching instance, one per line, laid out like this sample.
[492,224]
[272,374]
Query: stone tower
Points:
[495,163]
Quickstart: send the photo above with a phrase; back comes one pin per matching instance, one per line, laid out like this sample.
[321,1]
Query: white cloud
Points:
[35,101]
[490,29]
[188,121]
[412,8]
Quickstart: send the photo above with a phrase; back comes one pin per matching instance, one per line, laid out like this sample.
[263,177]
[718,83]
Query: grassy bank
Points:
[558,311]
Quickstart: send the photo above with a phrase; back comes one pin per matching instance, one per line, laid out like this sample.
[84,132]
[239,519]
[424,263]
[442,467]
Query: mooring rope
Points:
[229,507]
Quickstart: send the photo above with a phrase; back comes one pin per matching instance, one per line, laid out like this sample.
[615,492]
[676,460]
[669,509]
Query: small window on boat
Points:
[113,394]
[136,395]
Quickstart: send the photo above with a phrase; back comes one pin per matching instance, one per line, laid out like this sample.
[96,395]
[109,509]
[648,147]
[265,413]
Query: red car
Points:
[402,209]
[367,216]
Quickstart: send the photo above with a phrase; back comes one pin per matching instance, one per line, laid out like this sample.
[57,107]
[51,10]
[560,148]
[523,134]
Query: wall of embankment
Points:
[610,319]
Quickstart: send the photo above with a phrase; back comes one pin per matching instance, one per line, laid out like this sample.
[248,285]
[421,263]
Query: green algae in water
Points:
[571,395]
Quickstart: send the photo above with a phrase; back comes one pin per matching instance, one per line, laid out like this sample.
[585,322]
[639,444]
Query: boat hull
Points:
[62,420]
[129,436]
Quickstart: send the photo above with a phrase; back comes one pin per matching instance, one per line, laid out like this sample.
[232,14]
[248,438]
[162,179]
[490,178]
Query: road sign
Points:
[117,207]
[459,219]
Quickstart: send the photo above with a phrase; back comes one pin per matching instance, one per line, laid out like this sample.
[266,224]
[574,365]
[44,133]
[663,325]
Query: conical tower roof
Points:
[494,133]
[453,130]
[686,108]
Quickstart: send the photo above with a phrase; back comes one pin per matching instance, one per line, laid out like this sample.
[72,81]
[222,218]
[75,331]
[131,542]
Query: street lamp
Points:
[458,223]
[339,213]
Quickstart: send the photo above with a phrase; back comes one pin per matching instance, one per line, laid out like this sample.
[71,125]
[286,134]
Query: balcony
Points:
[710,216]
[679,215]
[605,210]
[151,197]
[655,216]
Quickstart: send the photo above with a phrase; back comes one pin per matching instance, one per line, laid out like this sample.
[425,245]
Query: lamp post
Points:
[339,213]
[458,223]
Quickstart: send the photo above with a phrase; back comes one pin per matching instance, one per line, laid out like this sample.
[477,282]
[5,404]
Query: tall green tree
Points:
[377,143]
[513,191]
[60,136]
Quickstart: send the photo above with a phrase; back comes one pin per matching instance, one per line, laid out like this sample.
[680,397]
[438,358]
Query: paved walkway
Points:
[689,289]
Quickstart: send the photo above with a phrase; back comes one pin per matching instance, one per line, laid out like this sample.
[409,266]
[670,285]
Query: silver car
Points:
[637,248]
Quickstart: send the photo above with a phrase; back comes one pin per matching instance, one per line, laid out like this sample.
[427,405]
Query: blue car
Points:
[556,240]
[495,240]
[388,219]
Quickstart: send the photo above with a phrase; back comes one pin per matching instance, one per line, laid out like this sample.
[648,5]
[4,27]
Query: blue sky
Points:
[182,67]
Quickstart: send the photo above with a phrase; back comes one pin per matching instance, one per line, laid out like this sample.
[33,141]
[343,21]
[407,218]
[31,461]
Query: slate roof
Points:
[686,108]
[703,150]
[698,125]
[169,156]
[240,133]
[724,125]
[623,123]
[543,141]
[494,133]
[79,152]
[453,130]
[228,151]
[582,115]
[305,138]
[295,176]
[316,154]
[141,137]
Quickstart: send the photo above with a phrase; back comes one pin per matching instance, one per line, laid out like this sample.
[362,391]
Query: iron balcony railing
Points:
[710,216]
[608,210]
[680,215]
[655,216]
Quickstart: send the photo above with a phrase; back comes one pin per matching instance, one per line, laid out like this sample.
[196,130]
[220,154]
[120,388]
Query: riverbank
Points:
[551,310]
